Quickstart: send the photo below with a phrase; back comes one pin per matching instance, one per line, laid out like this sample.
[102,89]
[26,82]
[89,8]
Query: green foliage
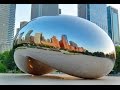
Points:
[117,62]
[7,63]
[3,68]
[8,60]
[1,57]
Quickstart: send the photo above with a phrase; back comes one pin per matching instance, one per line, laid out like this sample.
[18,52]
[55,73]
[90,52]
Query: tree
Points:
[8,60]
[1,57]
[3,68]
[117,62]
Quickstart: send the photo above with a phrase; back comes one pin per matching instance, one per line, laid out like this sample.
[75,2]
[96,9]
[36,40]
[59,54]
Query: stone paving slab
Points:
[54,79]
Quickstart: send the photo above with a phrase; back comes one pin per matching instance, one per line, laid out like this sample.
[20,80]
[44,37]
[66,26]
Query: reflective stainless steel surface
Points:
[67,43]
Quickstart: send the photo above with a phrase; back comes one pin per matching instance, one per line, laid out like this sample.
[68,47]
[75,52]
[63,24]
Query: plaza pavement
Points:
[54,79]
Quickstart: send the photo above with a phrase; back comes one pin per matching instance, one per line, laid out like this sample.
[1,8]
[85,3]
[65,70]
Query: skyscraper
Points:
[23,23]
[7,23]
[113,24]
[96,13]
[38,10]
[59,11]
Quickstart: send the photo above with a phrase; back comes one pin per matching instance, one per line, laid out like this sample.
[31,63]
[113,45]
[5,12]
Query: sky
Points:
[23,11]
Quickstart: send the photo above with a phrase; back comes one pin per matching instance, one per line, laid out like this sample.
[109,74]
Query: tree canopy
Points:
[7,62]
[117,62]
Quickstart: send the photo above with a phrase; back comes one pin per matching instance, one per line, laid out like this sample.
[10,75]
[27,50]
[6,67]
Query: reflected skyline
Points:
[39,40]
[74,28]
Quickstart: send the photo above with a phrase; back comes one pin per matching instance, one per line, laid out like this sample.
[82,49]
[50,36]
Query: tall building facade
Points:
[96,13]
[23,23]
[113,24]
[7,23]
[59,11]
[38,10]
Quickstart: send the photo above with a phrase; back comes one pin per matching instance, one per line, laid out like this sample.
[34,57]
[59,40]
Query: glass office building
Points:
[7,23]
[113,24]
[96,13]
[38,10]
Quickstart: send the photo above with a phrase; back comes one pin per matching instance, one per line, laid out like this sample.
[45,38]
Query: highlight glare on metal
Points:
[69,44]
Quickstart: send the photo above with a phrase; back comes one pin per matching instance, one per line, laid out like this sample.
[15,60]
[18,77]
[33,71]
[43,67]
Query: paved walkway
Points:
[54,79]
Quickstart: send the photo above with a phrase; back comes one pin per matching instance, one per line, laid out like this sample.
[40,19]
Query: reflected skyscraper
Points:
[27,36]
[38,38]
[96,13]
[7,22]
[73,44]
[65,36]
[38,10]
[113,24]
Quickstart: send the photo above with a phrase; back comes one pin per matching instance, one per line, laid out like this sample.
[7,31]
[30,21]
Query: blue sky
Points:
[23,11]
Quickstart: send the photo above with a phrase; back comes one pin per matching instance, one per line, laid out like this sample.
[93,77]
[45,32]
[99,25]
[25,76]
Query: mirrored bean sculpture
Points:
[70,44]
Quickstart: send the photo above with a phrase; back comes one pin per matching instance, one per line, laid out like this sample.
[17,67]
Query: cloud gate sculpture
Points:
[69,44]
